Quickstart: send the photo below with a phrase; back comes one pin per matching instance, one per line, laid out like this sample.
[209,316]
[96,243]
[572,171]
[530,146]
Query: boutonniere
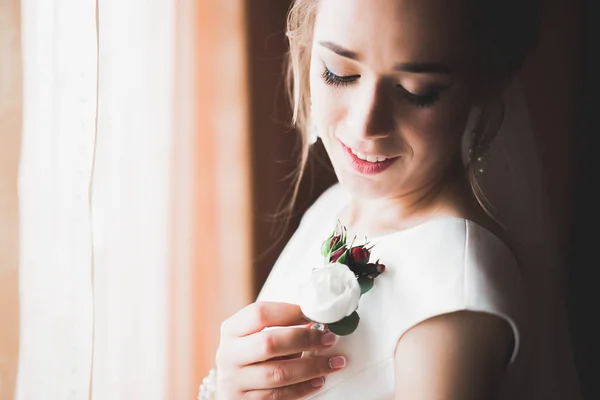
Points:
[331,295]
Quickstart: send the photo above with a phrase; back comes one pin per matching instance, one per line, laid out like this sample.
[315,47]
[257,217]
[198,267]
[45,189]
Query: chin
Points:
[359,185]
[364,187]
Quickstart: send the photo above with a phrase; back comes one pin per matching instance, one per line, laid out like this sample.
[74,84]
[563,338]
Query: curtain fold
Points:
[59,115]
[131,199]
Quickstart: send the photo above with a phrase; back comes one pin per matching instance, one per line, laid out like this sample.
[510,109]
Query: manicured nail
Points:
[337,362]
[317,382]
[328,339]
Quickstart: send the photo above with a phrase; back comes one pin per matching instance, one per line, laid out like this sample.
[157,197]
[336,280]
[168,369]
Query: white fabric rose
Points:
[331,293]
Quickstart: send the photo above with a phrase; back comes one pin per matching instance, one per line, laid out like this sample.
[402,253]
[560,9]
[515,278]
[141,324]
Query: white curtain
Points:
[95,180]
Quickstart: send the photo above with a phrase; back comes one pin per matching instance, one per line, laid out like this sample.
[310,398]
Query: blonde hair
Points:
[300,26]
[505,52]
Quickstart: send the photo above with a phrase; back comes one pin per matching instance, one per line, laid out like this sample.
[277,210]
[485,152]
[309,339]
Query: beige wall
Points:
[222,214]
[10,135]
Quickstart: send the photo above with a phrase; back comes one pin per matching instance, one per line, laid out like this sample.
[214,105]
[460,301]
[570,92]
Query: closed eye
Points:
[425,99]
[336,80]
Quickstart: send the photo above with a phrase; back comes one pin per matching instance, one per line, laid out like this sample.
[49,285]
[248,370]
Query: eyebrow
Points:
[413,67]
[337,49]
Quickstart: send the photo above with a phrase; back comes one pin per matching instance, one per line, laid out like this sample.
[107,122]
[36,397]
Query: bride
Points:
[406,96]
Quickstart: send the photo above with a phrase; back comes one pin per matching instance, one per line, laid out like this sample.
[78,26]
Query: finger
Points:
[292,392]
[265,345]
[277,374]
[260,315]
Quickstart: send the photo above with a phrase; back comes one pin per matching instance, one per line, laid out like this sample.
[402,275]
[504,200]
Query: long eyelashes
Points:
[419,100]
[335,80]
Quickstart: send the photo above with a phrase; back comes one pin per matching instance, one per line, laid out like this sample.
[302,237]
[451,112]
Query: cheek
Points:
[424,145]
[440,130]
[328,107]
[434,138]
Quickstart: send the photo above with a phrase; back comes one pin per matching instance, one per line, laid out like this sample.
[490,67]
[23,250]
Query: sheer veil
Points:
[513,182]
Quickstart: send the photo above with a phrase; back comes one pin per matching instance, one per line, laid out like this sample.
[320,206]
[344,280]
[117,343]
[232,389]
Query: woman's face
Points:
[388,90]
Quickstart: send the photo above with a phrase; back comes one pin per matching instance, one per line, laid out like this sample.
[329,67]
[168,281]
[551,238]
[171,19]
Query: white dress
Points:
[438,267]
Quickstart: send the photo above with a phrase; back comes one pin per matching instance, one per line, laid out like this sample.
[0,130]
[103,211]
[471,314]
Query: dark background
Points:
[582,259]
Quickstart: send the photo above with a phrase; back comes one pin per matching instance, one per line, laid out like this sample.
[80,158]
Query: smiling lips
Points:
[370,159]
[367,164]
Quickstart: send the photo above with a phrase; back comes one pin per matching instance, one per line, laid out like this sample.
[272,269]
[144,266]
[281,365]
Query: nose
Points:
[372,114]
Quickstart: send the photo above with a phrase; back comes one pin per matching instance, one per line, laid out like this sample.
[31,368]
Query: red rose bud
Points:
[331,244]
[360,255]
[380,268]
[335,241]
[335,256]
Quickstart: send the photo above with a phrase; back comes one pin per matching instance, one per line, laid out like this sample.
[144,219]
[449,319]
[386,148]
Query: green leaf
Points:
[343,258]
[365,283]
[325,247]
[346,326]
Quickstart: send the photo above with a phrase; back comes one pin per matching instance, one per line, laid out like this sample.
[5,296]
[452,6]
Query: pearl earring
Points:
[478,163]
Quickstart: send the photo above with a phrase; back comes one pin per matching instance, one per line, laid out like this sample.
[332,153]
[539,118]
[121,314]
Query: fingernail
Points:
[317,382]
[328,339]
[337,362]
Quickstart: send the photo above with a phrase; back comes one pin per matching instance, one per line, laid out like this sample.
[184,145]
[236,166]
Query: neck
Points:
[447,195]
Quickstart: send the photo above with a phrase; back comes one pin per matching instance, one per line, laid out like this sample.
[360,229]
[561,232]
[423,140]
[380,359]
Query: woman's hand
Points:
[256,364]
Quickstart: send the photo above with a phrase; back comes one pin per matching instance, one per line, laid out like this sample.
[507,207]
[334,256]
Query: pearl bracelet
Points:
[208,388]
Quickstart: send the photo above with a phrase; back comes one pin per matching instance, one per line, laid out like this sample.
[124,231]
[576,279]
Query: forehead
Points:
[392,31]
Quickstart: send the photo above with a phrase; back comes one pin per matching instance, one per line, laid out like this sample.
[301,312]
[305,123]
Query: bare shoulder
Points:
[460,355]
